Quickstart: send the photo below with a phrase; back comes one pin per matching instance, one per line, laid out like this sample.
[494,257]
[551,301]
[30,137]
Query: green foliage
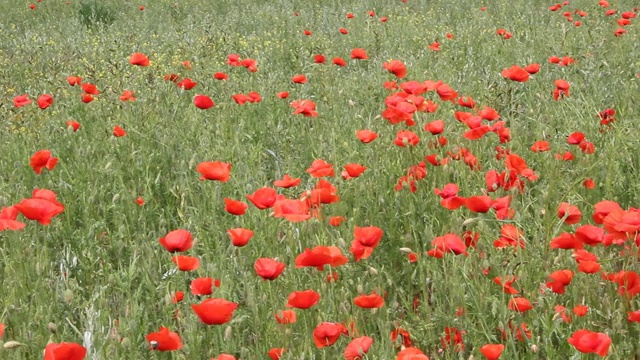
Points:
[94,13]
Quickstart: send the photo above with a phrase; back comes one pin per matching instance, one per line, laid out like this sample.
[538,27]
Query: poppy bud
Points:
[534,348]
[373,271]
[228,333]
[52,327]
[406,250]
[468,222]
[10,345]
[360,289]
[341,243]
[67,296]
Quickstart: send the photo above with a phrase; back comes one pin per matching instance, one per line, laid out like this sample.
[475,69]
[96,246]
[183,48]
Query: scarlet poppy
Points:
[263,198]
[370,301]
[186,263]
[215,311]
[220,76]
[357,348]
[90,89]
[285,316]
[446,93]
[319,59]
[127,95]
[540,146]
[299,79]
[139,59]
[74,80]
[164,340]
[411,353]
[352,171]
[240,236]
[42,159]
[492,351]
[532,68]
[268,269]
[118,131]
[406,137]
[434,46]
[235,207]
[203,102]
[187,84]
[569,213]
[580,310]
[283,94]
[396,67]
[506,283]
[8,216]
[42,206]
[320,168]
[559,280]
[516,73]
[366,136]
[44,101]
[366,239]
[320,256]
[177,241]
[87,98]
[287,182]
[224,357]
[203,286]
[520,304]
[339,61]
[275,353]
[177,297]
[359,54]
[64,351]
[214,170]
[587,341]
[327,333]
[21,100]
[291,210]
[337,220]
[73,125]
[303,299]
[449,243]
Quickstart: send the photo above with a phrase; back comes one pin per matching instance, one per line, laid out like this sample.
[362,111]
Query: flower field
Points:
[384,179]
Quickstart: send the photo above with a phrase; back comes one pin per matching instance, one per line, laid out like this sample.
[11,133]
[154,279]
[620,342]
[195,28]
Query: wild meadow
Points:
[381,179]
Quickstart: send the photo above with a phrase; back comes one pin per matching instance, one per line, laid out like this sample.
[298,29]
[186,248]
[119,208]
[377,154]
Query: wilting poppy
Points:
[214,170]
[64,351]
[240,236]
[303,299]
[42,159]
[587,341]
[177,241]
[268,269]
[164,340]
[215,311]
[139,59]
[327,333]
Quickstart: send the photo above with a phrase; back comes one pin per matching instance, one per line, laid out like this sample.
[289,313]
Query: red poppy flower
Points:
[580,310]
[268,269]
[446,93]
[366,239]
[359,54]
[532,68]
[370,301]
[186,263]
[127,95]
[406,137]
[540,146]
[307,32]
[559,280]
[320,256]
[492,351]
[139,59]
[224,357]
[8,216]
[203,286]
[240,236]
[21,100]
[42,206]
[74,125]
[283,94]
[90,89]
[587,341]
[366,136]
[339,61]
[396,67]
[275,353]
[203,102]
[74,80]
[215,311]
[515,73]
[357,348]
[291,210]
[187,84]
[570,213]
[299,79]
[64,351]
[87,98]
[303,299]
[411,353]
[285,316]
[235,207]
[320,168]
[118,131]
[449,243]
[263,198]
[319,59]
[520,304]
[42,159]
[506,282]
[434,46]
[177,297]
[220,76]
[286,182]
[44,101]
[164,340]
[177,241]
[352,171]
[214,170]
[337,220]
[633,316]
[327,333]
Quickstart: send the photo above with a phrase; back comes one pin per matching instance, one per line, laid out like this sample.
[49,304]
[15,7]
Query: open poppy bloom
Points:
[203,102]
[42,159]
[214,170]
[42,206]
[587,342]
[8,216]
[268,269]
[240,236]
[139,59]
[327,333]
[64,351]
[21,100]
[177,241]
[357,348]
[44,101]
[215,311]
[303,299]
[370,301]
[516,73]
[164,340]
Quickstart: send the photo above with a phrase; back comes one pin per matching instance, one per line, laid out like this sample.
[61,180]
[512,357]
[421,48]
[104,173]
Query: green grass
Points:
[98,270]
